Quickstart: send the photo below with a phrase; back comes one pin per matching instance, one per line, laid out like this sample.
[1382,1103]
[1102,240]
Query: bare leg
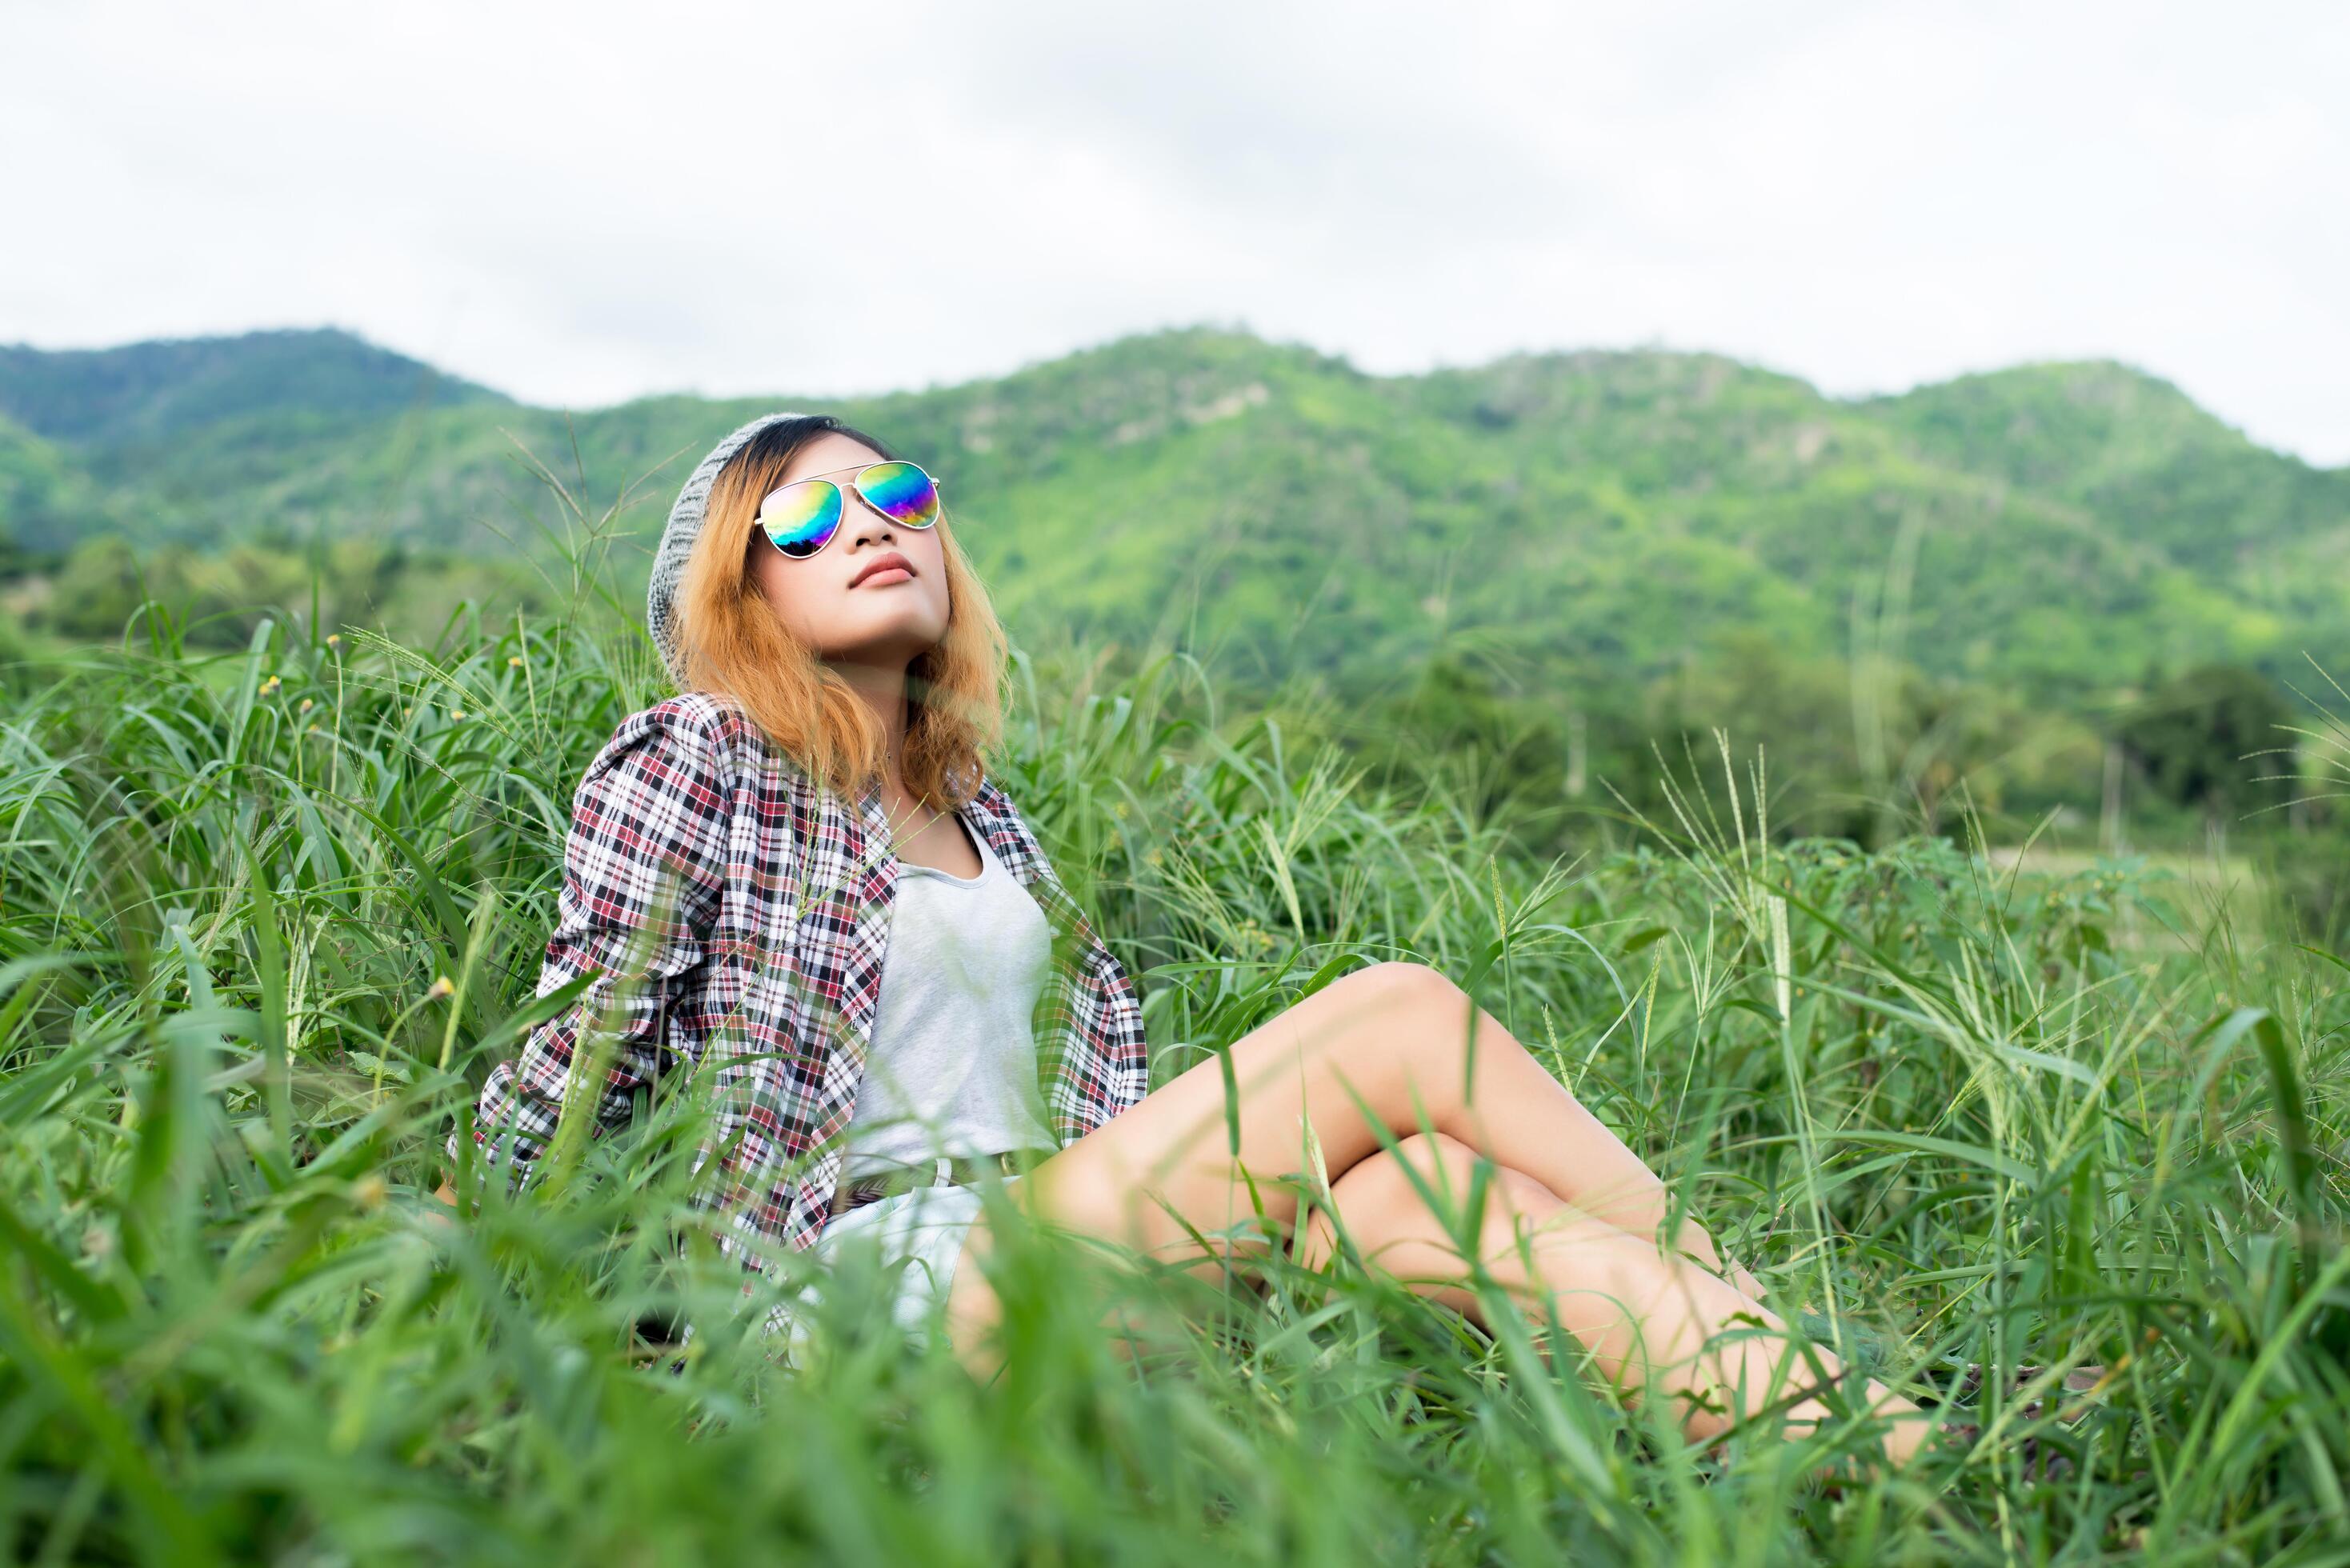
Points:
[1650,1320]
[1376,1052]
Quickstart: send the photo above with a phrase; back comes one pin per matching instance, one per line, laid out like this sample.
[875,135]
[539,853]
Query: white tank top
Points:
[952,1067]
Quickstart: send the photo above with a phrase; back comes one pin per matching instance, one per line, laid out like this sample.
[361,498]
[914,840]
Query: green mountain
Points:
[46,495]
[150,392]
[1577,520]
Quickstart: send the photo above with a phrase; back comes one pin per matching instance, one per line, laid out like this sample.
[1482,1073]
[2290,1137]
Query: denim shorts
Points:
[920,1234]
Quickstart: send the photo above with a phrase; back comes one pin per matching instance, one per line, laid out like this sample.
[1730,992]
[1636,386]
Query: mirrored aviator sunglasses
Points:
[800,518]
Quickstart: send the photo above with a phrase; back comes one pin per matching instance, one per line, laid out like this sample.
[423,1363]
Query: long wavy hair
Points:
[734,644]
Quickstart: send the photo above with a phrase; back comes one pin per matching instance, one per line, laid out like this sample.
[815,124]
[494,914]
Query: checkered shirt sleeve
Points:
[644,870]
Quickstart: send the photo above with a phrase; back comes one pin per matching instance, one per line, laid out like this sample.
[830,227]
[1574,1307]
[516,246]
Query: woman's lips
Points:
[884,577]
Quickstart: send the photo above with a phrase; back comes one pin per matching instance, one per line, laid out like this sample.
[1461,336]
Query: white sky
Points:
[578,204]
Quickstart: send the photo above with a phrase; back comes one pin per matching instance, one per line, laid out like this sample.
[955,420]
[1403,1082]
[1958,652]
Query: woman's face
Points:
[887,618]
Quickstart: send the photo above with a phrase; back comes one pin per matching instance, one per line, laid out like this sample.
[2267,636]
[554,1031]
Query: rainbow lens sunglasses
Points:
[801,517]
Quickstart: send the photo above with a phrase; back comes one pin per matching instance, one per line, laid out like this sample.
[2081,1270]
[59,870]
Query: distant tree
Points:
[46,500]
[1458,704]
[104,580]
[97,590]
[1795,708]
[14,674]
[2191,737]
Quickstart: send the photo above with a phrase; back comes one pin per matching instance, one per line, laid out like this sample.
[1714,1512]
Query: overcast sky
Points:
[582,203]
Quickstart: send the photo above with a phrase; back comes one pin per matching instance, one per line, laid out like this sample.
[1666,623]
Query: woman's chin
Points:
[889,647]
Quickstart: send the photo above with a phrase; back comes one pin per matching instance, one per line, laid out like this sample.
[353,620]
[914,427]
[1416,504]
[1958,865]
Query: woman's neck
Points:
[882,688]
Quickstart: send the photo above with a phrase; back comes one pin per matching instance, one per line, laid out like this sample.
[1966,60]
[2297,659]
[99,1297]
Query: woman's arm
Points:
[644,866]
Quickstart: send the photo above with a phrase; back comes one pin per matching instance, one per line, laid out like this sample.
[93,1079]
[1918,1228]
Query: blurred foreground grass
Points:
[1955,1120]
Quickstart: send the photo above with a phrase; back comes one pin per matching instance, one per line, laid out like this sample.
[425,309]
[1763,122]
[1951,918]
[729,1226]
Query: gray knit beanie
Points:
[677,541]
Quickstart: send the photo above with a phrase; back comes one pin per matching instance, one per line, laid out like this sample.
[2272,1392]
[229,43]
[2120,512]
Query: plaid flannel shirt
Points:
[738,915]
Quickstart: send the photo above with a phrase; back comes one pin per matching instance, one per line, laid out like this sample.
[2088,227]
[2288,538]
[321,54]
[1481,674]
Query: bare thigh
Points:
[1374,1055]
[1409,1215]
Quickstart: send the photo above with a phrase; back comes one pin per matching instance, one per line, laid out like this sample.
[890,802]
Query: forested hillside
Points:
[1977,578]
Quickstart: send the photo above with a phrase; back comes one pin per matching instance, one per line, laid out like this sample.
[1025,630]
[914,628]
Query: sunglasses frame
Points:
[854,486]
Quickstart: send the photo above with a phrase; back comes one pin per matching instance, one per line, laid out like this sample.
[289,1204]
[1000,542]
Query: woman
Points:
[796,875]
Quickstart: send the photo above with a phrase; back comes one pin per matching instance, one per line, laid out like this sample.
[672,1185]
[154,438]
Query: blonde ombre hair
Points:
[732,643]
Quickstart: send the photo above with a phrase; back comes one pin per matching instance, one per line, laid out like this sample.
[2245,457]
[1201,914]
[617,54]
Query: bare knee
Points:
[1433,1037]
[1394,1194]
[1406,984]
[1419,1012]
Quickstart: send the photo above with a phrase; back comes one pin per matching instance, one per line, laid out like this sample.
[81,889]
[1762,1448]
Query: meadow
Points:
[267,916]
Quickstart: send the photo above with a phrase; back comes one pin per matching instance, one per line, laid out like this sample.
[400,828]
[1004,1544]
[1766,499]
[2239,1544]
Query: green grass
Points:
[1957,1121]
[1988,576]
